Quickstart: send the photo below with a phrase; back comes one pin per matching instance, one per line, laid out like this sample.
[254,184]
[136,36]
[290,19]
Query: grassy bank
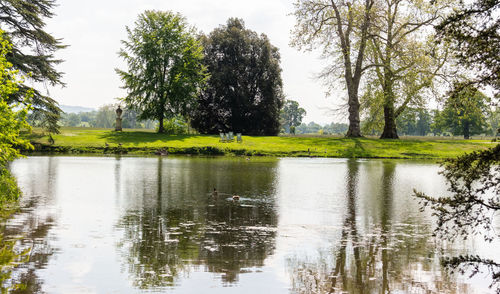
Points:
[85,140]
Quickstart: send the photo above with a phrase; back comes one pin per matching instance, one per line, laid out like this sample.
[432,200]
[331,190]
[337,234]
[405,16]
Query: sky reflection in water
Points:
[134,225]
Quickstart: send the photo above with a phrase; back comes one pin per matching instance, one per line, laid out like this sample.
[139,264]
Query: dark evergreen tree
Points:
[33,54]
[244,91]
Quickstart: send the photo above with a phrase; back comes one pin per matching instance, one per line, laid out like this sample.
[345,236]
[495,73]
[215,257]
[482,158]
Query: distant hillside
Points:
[75,109]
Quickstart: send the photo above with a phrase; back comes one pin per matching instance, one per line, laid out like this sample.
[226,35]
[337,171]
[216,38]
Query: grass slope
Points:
[86,140]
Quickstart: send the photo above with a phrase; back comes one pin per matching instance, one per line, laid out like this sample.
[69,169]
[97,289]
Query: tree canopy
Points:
[33,54]
[341,29]
[291,115]
[12,121]
[474,32]
[244,92]
[165,70]
[464,111]
[473,178]
[403,56]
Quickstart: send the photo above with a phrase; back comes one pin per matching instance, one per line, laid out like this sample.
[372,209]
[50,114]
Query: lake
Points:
[301,225]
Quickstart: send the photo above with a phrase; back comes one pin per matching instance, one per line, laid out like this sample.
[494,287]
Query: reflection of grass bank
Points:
[10,257]
[86,140]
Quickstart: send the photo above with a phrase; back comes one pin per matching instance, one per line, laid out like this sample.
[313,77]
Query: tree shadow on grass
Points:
[136,138]
[356,150]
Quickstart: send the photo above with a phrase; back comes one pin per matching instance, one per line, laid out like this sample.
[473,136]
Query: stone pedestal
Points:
[118,127]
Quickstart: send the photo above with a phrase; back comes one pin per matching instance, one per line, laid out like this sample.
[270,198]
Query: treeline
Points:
[418,122]
[105,117]
[327,129]
[446,122]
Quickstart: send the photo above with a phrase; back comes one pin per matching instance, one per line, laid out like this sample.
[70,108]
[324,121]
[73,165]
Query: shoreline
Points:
[136,142]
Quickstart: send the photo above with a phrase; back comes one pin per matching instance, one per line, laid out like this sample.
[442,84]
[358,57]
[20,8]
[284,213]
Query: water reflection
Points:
[389,257]
[26,235]
[151,225]
[182,226]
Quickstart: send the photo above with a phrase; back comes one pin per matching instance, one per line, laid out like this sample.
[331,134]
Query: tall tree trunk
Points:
[466,125]
[353,74]
[390,131]
[354,130]
[161,129]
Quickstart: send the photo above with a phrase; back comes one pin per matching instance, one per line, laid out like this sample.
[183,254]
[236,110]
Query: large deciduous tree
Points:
[465,111]
[165,70]
[33,54]
[244,91]
[292,114]
[341,29]
[404,56]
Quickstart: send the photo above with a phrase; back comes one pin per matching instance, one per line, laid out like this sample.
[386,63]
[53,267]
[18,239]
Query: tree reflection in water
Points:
[386,257]
[24,245]
[174,226]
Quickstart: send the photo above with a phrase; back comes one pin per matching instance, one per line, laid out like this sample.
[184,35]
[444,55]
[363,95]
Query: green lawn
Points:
[83,140]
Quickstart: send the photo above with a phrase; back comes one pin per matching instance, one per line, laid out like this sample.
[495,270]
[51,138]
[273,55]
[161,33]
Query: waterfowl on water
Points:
[215,193]
[236,197]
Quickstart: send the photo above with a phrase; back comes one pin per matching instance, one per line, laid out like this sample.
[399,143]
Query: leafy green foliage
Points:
[465,111]
[33,55]
[165,72]
[474,178]
[474,184]
[494,122]
[176,125]
[244,92]
[9,191]
[403,57]
[474,32]
[291,115]
[341,29]
[11,123]
[414,122]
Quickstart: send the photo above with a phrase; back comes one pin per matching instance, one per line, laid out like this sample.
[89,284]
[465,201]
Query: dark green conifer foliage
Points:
[33,54]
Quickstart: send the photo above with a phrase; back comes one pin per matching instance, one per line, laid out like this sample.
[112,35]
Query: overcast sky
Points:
[93,30]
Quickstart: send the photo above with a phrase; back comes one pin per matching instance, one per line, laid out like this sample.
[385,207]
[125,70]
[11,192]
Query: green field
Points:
[86,140]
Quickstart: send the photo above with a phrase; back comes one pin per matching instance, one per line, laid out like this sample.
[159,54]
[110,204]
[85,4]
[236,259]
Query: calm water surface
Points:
[151,225]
